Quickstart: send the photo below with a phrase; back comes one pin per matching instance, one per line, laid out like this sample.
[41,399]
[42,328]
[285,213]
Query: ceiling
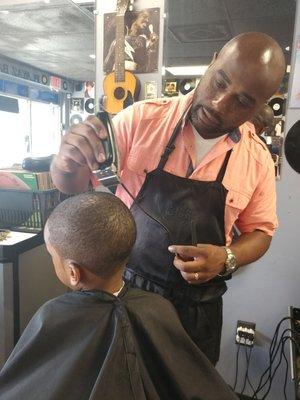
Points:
[198,28]
[58,36]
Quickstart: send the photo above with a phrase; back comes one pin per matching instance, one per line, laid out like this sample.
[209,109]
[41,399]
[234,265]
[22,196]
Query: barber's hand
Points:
[199,264]
[81,146]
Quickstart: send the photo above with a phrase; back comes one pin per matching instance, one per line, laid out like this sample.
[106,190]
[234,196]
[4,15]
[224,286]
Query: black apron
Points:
[185,212]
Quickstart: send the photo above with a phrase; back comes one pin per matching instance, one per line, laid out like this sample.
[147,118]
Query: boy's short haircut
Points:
[95,230]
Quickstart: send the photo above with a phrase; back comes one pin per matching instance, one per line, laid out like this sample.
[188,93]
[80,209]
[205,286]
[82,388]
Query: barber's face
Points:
[226,97]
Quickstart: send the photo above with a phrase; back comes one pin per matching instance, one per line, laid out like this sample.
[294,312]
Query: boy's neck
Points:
[109,285]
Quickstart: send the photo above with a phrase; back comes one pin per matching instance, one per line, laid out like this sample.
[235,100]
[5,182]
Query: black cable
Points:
[271,357]
[273,351]
[248,356]
[248,379]
[275,336]
[270,379]
[269,369]
[236,366]
[282,342]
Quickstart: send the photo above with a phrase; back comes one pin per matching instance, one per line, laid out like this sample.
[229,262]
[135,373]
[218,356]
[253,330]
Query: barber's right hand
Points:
[81,146]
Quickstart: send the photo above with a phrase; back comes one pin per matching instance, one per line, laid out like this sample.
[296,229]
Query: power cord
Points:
[277,347]
[271,352]
[236,366]
[246,379]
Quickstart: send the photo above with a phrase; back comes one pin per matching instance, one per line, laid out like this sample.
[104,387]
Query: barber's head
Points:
[89,236]
[240,79]
[263,120]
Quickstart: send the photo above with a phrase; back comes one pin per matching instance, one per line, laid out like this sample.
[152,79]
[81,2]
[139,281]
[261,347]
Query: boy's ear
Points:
[74,273]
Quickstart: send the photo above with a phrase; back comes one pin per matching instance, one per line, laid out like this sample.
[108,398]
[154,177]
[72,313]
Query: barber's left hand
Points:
[199,264]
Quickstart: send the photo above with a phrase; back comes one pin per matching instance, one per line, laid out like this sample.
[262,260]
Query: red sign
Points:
[55,83]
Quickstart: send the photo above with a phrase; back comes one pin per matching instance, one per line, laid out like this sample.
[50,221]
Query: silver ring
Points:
[196,276]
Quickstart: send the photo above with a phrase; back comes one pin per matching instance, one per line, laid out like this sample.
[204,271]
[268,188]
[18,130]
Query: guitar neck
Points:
[119,49]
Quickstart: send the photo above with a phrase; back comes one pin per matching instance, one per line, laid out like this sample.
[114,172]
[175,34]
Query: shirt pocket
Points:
[236,202]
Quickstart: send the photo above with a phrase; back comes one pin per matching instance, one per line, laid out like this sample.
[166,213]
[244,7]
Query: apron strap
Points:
[170,146]
[223,167]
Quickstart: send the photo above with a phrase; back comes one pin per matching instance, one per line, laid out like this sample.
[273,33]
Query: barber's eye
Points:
[243,102]
[220,84]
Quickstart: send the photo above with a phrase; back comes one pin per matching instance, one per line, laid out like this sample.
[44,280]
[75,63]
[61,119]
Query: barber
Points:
[197,168]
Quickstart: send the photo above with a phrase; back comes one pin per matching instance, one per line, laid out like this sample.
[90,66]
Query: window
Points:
[45,129]
[15,134]
[34,131]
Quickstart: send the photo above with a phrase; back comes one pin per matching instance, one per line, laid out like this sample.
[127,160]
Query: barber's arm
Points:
[257,222]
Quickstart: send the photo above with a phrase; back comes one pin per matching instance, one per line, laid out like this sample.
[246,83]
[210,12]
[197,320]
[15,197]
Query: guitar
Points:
[121,88]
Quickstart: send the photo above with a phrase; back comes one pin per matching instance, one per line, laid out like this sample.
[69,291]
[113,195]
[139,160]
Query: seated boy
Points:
[103,340]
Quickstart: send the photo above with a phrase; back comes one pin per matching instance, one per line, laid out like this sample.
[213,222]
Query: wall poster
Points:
[141,35]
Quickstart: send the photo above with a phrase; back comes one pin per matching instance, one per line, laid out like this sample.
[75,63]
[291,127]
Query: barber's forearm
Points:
[250,247]
[70,183]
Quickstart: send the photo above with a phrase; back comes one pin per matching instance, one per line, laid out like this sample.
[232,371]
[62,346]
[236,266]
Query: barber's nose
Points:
[221,101]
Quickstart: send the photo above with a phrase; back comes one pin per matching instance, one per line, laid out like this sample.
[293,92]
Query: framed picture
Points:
[170,87]
[151,90]
[141,36]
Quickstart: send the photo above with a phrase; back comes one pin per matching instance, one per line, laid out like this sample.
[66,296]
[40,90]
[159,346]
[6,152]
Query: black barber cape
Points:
[93,345]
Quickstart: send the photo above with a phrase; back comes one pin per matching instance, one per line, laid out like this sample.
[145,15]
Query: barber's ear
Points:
[74,273]
[215,56]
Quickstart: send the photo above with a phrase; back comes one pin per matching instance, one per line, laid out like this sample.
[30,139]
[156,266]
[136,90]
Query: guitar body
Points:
[119,95]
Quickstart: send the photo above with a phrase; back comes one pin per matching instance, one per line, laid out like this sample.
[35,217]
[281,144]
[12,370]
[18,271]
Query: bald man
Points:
[194,168]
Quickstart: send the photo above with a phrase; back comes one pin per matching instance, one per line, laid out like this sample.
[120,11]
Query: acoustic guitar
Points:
[121,88]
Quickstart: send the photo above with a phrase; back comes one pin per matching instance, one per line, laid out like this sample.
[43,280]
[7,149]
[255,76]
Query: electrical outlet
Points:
[245,332]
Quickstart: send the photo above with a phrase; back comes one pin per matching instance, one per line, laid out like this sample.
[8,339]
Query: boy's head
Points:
[89,237]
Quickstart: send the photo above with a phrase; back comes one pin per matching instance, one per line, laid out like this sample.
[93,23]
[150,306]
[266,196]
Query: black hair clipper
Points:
[107,174]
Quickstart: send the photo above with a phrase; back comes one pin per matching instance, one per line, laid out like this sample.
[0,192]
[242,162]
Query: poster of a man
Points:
[141,41]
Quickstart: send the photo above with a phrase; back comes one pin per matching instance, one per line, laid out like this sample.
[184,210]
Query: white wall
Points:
[262,292]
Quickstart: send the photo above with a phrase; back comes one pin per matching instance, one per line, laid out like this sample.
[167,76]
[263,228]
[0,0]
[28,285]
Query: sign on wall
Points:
[32,74]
